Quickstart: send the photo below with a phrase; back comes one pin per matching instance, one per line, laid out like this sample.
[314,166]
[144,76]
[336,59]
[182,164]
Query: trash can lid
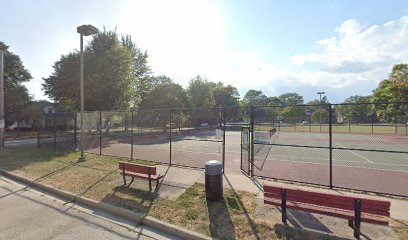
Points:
[213,163]
[213,167]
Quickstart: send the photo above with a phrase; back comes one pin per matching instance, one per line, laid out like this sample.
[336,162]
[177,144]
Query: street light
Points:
[2,122]
[320,111]
[84,30]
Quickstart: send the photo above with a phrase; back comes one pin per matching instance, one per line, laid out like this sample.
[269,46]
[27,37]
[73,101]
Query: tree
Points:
[320,116]
[166,95]
[254,97]
[16,98]
[293,114]
[358,112]
[287,99]
[112,71]
[225,95]
[394,89]
[199,92]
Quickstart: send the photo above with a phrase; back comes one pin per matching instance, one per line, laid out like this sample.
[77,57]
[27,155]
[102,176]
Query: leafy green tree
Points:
[393,89]
[199,92]
[320,116]
[225,95]
[293,114]
[112,72]
[357,113]
[16,98]
[254,97]
[287,99]
[166,95]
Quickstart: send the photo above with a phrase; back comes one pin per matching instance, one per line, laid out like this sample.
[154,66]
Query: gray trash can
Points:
[213,180]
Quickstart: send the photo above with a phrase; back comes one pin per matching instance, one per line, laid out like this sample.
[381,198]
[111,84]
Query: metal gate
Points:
[245,150]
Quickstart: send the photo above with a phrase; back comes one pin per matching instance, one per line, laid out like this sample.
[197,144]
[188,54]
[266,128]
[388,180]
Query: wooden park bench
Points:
[139,171]
[355,209]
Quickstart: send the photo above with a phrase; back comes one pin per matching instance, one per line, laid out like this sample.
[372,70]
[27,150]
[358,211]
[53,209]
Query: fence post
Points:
[396,124]
[100,132]
[224,114]
[179,120]
[406,127]
[330,146]
[75,131]
[170,137]
[349,123]
[252,141]
[55,131]
[372,124]
[132,137]
[38,133]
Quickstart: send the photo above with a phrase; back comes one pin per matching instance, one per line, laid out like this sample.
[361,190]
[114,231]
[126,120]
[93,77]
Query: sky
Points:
[342,47]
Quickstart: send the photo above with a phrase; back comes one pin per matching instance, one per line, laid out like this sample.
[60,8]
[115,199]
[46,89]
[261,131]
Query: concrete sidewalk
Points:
[29,214]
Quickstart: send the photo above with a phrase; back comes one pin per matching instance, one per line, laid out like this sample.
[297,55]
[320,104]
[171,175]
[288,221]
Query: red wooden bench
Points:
[139,171]
[355,209]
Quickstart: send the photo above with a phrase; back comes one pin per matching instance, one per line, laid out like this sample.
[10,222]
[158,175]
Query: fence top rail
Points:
[237,107]
[323,104]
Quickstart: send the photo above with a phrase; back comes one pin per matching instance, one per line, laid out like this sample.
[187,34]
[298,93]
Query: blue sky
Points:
[341,47]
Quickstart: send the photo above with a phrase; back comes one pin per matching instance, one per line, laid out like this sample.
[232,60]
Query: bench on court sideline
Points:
[355,209]
[139,171]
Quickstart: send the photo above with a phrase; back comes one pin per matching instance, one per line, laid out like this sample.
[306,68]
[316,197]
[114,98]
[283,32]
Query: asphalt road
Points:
[29,214]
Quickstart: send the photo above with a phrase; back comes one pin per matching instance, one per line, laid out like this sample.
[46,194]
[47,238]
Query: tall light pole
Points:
[2,120]
[84,30]
[320,111]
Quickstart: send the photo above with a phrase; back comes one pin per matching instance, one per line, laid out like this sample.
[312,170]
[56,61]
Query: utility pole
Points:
[320,111]
[2,120]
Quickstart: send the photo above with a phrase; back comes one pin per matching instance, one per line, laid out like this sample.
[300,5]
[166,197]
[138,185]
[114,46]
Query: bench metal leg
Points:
[284,216]
[124,180]
[157,184]
[131,181]
[150,184]
[350,223]
[357,218]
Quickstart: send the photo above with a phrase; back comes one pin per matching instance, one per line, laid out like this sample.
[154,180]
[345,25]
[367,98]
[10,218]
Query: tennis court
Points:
[371,162]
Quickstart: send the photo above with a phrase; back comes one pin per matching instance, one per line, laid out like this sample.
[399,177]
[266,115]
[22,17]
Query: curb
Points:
[119,212]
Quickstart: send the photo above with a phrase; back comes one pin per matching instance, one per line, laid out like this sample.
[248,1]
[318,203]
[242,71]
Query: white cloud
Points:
[185,38]
[357,48]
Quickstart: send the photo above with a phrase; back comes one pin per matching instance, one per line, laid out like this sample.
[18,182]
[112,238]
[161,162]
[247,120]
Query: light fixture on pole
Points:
[84,30]
[320,111]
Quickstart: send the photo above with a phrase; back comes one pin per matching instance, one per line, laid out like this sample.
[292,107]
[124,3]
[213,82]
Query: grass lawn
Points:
[98,178]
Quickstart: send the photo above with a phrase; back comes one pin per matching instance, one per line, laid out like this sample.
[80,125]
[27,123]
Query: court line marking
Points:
[355,153]
[379,169]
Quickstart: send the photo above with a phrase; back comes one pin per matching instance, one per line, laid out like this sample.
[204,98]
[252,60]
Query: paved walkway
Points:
[29,214]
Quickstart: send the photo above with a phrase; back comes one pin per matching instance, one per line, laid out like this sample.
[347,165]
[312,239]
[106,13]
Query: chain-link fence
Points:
[185,137]
[356,146]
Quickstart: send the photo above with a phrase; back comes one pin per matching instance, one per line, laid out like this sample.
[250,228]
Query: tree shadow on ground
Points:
[221,225]
[17,157]
[286,232]
[251,222]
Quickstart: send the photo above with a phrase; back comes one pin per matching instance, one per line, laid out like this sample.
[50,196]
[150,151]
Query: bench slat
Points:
[334,203]
[141,175]
[349,215]
[138,168]
[368,202]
